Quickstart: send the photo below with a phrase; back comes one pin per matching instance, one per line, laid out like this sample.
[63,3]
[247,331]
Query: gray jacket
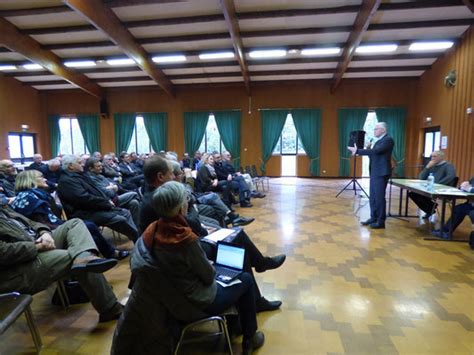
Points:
[444,173]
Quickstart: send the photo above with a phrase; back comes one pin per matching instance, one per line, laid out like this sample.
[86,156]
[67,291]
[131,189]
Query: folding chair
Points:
[12,306]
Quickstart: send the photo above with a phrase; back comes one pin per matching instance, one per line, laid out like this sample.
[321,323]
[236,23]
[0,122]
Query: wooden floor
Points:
[345,288]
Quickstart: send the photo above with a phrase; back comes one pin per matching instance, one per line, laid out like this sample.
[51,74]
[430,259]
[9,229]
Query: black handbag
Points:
[74,292]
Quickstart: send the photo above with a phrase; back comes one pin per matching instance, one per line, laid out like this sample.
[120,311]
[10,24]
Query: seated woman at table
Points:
[179,255]
[33,201]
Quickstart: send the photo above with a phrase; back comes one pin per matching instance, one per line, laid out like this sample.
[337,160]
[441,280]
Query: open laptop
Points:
[229,261]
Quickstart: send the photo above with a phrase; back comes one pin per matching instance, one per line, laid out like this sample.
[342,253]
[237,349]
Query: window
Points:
[22,146]
[289,143]
[140,142]
[212,139]
[432,142]
[72,141]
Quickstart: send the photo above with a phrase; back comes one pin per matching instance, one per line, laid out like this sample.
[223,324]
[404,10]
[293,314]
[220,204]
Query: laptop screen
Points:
[231,256]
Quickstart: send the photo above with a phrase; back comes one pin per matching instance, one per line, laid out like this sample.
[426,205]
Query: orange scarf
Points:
[168,233]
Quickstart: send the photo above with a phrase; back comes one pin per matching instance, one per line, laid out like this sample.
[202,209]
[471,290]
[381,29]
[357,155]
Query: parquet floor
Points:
[345,288]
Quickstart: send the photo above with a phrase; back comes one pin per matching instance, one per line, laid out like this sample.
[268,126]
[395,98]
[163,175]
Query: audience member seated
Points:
[209,204]
[110,168]
[196,162]
[459,213]
[52,172]
[207,179]
[443,172]
[226,160]
[32,257]
[82,199]
[157,171]
[34,202]
[128,200]
[186,161]
[136,162]
[7,179]
[176,252]
[97,155]
[130,174]
[37,163]
[237,183]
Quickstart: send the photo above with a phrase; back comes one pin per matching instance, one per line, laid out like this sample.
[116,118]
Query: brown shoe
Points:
[112,314]
[92,264]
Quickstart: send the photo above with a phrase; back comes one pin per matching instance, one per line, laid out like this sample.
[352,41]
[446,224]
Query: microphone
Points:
[369,146]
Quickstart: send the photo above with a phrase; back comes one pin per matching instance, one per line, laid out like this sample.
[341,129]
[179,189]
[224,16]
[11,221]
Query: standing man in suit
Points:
[380,171]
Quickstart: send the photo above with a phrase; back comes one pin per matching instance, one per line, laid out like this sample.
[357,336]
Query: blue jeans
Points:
[243,297]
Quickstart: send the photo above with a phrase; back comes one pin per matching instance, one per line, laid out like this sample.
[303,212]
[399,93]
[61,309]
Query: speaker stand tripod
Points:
[354,182]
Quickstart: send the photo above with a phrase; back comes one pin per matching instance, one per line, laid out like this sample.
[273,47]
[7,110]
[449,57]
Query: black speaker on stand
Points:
[357,138]
[104,108]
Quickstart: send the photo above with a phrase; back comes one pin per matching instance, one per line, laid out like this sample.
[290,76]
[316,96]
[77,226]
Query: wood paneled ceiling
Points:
[97,31]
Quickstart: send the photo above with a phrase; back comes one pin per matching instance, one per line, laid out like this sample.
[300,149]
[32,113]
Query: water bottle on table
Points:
[430,182]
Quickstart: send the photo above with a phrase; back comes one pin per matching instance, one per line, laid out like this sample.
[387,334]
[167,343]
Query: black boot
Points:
[271,263]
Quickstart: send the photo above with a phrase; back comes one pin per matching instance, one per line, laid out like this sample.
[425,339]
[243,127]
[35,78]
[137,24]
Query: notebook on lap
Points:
[229,261]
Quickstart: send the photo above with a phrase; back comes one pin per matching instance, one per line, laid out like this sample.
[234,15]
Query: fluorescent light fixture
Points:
[80,64]
[217,55]
[121,61]
[33,66]
[7,67]
[377,48]
[272,53]
[169,59]
[321,51]
[429,46]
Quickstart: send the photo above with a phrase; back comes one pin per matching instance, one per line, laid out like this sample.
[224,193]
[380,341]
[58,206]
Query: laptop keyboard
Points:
[226,272]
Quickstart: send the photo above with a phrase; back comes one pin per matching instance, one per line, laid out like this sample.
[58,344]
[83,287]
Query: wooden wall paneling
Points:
[447,106]
[19,105]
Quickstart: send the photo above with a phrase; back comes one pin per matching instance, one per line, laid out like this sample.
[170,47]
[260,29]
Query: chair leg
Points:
[33,329]
[227,336]
[63,298]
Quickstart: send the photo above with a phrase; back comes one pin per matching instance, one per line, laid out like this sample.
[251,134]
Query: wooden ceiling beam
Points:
[228,9]
[268,33]
[361,23]
[469,4]
[104,19]
[29,48]
[253,73]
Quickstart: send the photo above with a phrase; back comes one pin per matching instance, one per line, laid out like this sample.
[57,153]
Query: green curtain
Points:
[395,118]
[272,125]
[228,124]
[124,123]
[350,119]
[308,125]
[194,128]
[156,125]
[90,129]
[54,134]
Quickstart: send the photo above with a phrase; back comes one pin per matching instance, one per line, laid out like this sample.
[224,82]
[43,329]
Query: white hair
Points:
[68,159]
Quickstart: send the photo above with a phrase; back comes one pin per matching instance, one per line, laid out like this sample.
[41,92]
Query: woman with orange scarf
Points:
[178,253]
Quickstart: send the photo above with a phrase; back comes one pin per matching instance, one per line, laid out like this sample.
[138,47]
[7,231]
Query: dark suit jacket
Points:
[380,156]
[78,193]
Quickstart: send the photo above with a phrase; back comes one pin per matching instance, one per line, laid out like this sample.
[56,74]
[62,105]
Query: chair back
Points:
[254,171]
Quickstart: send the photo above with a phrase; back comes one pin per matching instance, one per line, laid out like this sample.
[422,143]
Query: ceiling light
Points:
[428,46]
[293,51]
[32,66]
[217,55]
[377,48]
[320,51]
[7,67]
[169,59]
[273,53]
[121,61]
[80,64]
